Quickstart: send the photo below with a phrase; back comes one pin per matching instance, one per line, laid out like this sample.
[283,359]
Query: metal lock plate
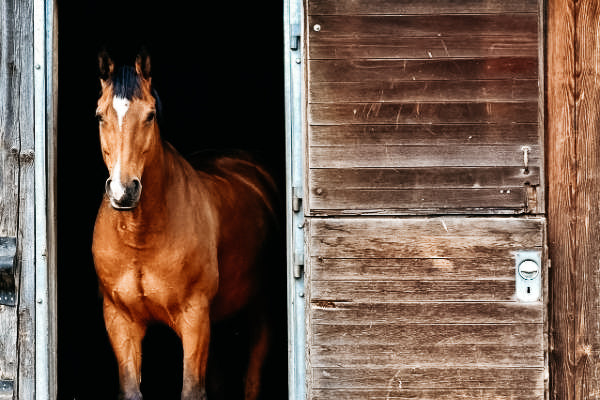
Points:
[528,275]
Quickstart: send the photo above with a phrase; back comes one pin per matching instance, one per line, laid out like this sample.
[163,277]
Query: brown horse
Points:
[173,244]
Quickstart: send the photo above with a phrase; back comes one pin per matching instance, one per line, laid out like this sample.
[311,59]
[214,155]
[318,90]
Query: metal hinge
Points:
[295,34]
[298,264]
[296,199]
[8,252]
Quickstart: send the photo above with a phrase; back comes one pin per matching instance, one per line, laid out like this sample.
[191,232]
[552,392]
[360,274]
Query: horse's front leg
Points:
[193,327]
[126,338]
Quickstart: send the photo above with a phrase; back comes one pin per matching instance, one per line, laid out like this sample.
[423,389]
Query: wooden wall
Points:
[573,137]
[17,334]
[419,107]
[422,308]
[418,198]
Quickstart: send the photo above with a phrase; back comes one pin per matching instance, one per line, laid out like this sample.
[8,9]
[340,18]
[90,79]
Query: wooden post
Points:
[573,151]
[17,194]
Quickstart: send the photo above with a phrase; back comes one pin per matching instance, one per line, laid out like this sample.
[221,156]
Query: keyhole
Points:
[528,290]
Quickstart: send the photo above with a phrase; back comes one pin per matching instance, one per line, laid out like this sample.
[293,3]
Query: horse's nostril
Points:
[107,186]
[137,185]
[134,188]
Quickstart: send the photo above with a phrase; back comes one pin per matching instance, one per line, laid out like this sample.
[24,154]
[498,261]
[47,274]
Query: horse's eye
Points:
[99,117]
[151,116]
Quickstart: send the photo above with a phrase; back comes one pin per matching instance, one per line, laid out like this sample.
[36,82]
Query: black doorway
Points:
[218,68]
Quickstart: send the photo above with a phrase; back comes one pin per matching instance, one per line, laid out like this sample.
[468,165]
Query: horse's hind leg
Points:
[258,352]
[126,339]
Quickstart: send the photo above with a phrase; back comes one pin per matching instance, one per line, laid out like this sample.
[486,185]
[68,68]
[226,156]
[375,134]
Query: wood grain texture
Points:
[422,269]
[421,307]
[410,73]
[422,178]
[391,7]
[399,291]
[392,46]
[424,134]
[586,276]
[443,237]
[477,91]
[414,335]
[434,25]
[509,200]
[394,70]
[562,194]
[397,393]
[345,313]
[419,113]
[406,156]
[17,191]
[430,378]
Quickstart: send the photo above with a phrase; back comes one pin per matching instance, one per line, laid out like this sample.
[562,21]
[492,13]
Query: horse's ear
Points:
[142,65]
[106,65]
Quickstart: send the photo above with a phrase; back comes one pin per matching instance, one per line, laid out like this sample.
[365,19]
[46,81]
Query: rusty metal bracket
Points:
[8,252]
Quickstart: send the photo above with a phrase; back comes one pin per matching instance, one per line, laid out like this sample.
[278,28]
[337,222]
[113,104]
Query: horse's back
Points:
[245,174]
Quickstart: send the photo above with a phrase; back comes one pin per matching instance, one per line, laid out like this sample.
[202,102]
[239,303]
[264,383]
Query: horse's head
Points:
[129,134]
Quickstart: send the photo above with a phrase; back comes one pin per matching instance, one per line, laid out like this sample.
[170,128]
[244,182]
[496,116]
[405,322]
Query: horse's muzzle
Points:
[126,196]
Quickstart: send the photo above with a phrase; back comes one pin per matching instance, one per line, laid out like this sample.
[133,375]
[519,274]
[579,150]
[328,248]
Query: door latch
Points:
[528,275]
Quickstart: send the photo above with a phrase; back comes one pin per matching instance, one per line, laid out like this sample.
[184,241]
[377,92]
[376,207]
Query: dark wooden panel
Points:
[395,392]
[425,91]
[384,7]
[426,133]
[428,378]
[343,313]
[429,355]
[434,25]
[413,201]
[421,237]
[419,113]
[433,335]
[391,46]
[405,156]
[422,178]
[393,70]
[423,269]
[400,291]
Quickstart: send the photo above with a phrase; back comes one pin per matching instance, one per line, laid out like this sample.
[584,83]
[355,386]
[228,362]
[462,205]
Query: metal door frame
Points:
[294,111]
[45,53]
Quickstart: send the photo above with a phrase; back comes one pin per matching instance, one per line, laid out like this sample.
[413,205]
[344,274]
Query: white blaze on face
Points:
[116,187]
[121,106]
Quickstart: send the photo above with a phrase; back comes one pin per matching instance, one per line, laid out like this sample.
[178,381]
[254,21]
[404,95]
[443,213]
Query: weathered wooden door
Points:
[424,193]
[27,345]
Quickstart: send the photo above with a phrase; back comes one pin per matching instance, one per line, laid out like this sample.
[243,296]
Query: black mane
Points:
[127,85]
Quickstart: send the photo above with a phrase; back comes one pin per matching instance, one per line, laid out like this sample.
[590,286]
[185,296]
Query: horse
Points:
[173,244]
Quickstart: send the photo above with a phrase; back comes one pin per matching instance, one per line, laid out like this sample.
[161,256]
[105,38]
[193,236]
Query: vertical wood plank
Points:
[562,194]
[17,191]
[24,94]
[587,229]
[574,219]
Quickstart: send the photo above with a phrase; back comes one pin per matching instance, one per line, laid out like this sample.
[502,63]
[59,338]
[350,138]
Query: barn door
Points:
[423,200]
[26,296]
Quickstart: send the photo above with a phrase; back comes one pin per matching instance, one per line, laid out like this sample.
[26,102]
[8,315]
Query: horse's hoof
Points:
[133,396]
[196,395]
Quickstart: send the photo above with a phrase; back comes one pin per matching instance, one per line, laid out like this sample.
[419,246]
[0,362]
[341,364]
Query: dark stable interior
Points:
[218,69]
